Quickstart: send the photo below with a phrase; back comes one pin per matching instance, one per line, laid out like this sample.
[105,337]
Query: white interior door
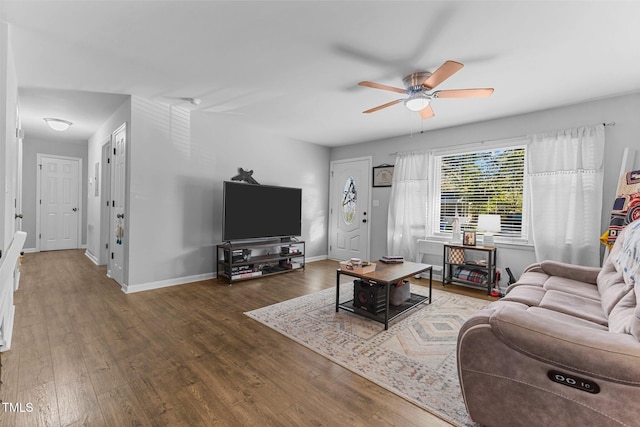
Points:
[350,193]
[59,202]
[115,266]
[105,202]
[18,189]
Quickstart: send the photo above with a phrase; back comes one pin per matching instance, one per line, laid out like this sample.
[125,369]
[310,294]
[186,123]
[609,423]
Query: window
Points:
[481,182]
[349,201]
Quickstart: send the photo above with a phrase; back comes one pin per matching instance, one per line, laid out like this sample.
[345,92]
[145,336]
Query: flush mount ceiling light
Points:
[58,124]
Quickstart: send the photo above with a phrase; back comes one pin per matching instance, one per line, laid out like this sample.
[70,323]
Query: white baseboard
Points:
[316,258]
[34,250]
[92,257]
[129,289]
[437,275]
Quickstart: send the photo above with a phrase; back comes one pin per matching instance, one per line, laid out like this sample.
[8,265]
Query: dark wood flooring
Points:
[85,353]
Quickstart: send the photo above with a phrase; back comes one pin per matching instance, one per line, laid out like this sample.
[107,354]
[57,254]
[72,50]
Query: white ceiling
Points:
[293,67]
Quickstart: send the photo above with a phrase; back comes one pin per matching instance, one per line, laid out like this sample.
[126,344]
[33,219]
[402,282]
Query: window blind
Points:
[483,182]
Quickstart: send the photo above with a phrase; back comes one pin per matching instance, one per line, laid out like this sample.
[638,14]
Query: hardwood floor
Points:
[85,353]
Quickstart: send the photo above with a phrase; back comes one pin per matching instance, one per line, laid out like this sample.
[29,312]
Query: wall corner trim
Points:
[91,257]
[316,258]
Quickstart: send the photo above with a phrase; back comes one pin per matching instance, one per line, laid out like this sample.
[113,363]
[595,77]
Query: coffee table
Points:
[386,275]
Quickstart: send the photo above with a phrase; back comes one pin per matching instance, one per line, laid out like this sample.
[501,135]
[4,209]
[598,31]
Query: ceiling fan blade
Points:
[380,107]
[427,112]
[381,86]
[463,93]
[446,70]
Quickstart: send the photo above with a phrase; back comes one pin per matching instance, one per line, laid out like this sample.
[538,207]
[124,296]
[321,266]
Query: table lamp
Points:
[489,224]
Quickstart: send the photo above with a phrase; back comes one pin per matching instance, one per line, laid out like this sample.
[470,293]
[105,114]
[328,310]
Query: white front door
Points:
[59,202]
[349,209]
[115,266]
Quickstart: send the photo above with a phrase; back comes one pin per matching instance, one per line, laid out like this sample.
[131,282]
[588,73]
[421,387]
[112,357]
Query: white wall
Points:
[30,149]
[94,155]
[8,140]
[178,162]
[623,110]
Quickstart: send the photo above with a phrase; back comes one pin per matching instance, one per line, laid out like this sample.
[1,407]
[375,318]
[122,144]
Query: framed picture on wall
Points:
[469,238]
[382,175]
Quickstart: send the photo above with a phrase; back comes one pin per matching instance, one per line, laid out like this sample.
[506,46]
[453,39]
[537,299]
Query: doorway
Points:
[349,220]
[58,203]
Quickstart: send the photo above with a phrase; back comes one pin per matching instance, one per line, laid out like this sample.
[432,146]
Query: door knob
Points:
[120,216]
[75,209]
[18,216]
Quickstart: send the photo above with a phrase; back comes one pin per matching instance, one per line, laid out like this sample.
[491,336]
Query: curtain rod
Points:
[610,124]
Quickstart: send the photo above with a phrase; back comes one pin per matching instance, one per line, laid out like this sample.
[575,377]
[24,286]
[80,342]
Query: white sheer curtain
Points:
[407,205]
[565,171]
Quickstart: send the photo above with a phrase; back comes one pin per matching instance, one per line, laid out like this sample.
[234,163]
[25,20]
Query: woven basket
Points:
[456,256]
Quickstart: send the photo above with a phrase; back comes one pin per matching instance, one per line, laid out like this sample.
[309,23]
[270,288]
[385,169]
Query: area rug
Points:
[415,358]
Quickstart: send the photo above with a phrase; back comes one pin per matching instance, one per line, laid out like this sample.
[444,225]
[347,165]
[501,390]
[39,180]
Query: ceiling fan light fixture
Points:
[417,103]
[58,125]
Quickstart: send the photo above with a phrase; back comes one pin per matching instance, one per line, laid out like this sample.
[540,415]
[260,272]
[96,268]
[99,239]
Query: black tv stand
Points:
[253,259]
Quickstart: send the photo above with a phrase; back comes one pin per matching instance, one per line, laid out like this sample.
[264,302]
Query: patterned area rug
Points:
[415,358]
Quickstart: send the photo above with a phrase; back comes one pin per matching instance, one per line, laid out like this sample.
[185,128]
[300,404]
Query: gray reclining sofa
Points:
[562,348]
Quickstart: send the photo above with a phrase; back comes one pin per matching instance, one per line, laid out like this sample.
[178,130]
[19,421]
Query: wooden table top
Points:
[473,247]
[390,273]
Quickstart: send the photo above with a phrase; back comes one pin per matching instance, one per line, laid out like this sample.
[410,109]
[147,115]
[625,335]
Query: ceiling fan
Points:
[419,87]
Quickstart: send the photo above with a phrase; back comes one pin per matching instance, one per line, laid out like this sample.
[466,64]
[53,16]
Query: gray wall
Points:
[97,140]
[30,150]
[178,162]
[623,110]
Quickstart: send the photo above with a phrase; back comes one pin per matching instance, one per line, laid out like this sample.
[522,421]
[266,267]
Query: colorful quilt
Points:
[628,259]
[472,275]
[626,207]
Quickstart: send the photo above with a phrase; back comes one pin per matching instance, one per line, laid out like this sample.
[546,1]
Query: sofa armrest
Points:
[571,271]
[594,352]
[535,267]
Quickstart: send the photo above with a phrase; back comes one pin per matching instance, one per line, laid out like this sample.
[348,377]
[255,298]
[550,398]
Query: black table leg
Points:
[430,283]
[337,289]
[386,307]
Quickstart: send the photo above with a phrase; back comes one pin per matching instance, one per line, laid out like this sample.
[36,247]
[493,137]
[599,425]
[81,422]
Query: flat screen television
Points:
[253,211]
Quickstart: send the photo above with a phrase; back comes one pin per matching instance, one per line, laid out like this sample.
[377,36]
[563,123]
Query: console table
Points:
[386,275]
[455,256]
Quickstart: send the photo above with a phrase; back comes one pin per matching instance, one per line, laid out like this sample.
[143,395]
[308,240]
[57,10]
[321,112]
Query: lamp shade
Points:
[489,223]
[416,103]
